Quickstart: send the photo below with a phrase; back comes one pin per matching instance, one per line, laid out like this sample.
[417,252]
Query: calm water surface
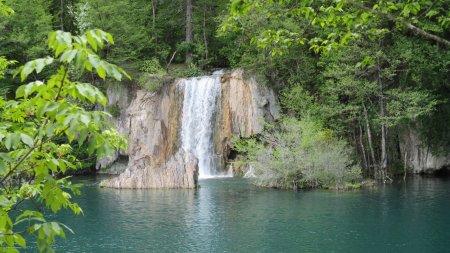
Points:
[230,215]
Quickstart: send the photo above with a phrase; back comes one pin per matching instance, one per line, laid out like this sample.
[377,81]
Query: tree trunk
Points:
[383,163]
[363,149]
[382,173]
[189,35]
[170,61]
[205,40]
[369,139]
[154,4]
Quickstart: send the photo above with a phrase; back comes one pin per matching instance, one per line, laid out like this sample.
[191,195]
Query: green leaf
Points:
[30,215]
[25,90]
[110,38]
[56,228]
[99,35]
[393,7]
[6,157]
[431,14]
[41,63]
[26,70]
[92,145]
[11,250]
[101,72]
[12,141]
[50,107]
[51,40]
[63,41]
[82,136]
[91,40]
[27,140]
[3,167]
[20,240]
[85,118]
[68,55]
[94,60]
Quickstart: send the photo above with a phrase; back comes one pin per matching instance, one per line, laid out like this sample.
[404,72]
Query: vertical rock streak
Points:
[199,111]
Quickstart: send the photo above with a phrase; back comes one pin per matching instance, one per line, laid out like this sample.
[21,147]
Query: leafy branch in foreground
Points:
[44,110]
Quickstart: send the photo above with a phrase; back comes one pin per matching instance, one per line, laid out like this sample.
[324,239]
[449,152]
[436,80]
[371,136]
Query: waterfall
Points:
[197,131]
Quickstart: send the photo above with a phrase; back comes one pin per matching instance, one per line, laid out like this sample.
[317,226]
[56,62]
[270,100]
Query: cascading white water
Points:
[197,130]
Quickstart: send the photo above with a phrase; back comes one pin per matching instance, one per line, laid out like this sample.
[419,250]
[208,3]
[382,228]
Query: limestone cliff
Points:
[243,108]
[418,157]
[152,122]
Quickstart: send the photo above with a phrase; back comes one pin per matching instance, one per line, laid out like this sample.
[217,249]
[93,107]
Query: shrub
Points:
[152,66]
[299,154]
[150,83]
[192,72]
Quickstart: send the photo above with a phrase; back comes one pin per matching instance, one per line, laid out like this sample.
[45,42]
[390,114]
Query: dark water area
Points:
[231,215]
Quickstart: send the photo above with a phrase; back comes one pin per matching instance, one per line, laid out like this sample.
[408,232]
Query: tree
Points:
[129,22]
[362,90]
[31,162]
[189,34]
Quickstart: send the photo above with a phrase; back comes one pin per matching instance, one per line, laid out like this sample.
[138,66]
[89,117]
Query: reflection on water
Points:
[229,215]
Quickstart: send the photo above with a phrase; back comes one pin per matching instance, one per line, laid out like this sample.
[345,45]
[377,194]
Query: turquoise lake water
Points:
[231,215]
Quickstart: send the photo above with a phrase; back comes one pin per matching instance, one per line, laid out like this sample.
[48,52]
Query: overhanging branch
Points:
[406,24]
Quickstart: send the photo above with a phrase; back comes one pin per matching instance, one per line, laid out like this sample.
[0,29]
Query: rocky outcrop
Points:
[243,108]
[419,158]
[152,122]
[119,98]
[245,105]
[180,171]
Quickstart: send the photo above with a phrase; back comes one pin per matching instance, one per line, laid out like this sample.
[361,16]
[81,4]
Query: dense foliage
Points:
[370,70]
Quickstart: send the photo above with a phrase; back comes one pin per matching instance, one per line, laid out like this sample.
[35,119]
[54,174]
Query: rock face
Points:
[418,157]
[243,108]
[119,97]
[152,122]
[180,171]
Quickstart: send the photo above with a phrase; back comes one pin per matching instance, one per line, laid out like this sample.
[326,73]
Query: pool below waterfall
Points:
[231,215]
